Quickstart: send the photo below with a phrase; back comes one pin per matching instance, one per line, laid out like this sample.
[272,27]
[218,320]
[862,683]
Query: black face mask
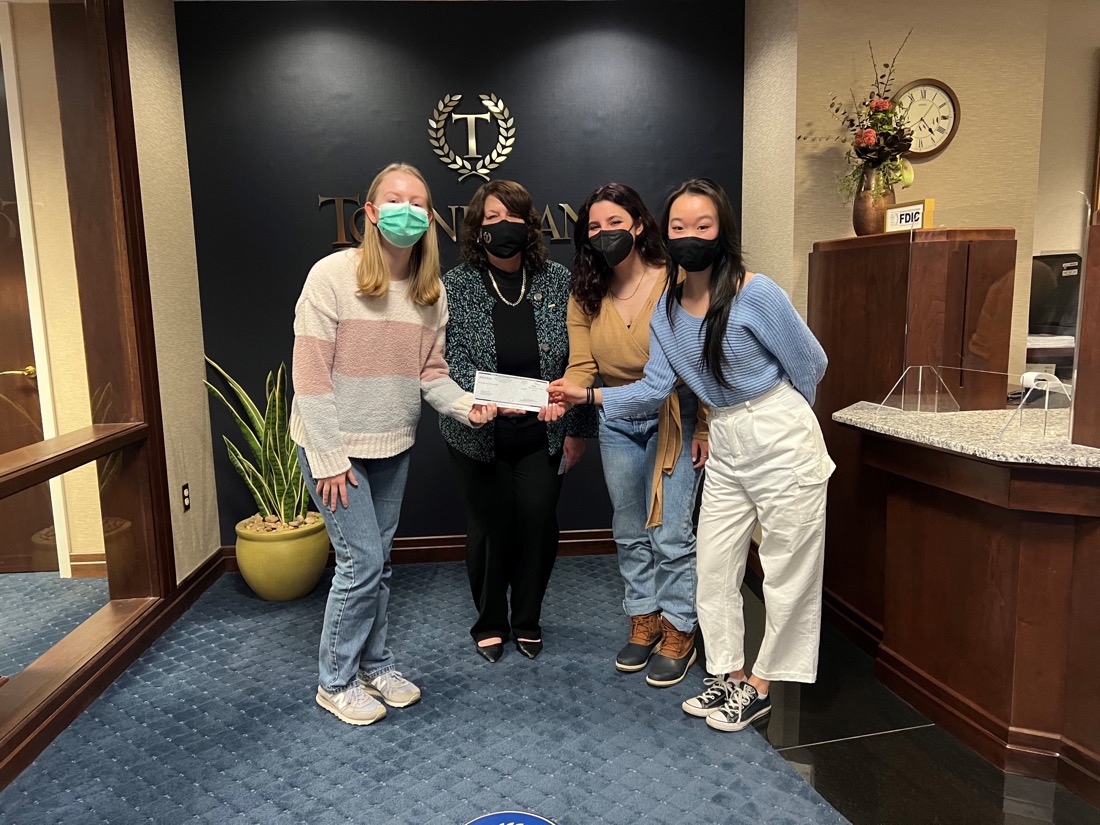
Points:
[613,245]
[504,238]
[693,254]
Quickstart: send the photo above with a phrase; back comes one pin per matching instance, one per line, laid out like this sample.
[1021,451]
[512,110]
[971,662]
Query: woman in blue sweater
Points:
[738,343]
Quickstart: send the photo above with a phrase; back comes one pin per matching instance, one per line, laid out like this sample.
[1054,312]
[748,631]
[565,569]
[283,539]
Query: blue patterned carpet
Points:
[217,722]
[38,609]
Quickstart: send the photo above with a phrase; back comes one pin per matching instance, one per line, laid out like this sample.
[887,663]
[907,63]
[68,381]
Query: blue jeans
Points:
[353,636]
[658,564]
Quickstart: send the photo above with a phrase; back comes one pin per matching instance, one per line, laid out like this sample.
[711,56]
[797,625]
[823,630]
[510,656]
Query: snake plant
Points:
[270,470]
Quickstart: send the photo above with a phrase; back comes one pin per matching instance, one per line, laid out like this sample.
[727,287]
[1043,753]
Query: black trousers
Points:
[511,538]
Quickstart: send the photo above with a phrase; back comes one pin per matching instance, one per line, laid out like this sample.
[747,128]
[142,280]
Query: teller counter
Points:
[987,527]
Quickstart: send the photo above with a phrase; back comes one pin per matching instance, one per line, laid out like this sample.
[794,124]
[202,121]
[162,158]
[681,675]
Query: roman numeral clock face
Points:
[932,112]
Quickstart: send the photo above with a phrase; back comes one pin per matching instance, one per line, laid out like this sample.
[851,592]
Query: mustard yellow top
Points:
[604,345]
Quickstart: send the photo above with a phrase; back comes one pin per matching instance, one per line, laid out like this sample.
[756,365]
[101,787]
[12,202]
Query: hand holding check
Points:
[483,413]
[514,395]
[566,392]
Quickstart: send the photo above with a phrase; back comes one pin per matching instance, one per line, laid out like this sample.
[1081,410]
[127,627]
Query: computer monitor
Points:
[1055,290]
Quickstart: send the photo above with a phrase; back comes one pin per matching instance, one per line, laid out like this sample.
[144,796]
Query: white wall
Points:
[992,55]
[1068,152]
[767,199]
[173,276]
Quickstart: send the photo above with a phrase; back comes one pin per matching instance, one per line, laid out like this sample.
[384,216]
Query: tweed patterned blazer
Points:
[471,346]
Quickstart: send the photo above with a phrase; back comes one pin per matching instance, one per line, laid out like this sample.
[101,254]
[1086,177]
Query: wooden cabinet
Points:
[877,304]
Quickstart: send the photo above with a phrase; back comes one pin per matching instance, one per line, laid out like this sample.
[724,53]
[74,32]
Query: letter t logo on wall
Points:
[437,135]
[471,131]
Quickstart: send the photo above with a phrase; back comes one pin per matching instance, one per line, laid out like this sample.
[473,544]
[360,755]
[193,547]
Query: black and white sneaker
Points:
[716,693]
[743,707]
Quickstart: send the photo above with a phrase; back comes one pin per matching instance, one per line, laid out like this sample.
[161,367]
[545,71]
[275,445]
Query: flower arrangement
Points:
[879,135]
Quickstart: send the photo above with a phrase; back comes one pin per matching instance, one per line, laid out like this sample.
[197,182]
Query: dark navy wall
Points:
[289,102]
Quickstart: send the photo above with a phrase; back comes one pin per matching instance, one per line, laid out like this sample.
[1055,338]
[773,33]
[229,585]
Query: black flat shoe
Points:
[490,653]
[529,649]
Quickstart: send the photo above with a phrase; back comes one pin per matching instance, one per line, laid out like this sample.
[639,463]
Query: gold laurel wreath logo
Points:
[506,136]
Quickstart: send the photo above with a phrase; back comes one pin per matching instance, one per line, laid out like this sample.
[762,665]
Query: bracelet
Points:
[590,395]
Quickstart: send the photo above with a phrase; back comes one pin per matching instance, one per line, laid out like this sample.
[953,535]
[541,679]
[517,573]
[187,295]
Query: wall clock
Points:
[932,112]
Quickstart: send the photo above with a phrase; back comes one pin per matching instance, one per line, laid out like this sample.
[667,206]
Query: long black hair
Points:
[727,273]
[591,275]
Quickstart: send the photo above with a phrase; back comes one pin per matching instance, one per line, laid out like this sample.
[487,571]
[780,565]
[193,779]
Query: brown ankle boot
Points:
[645,635]
[675,656]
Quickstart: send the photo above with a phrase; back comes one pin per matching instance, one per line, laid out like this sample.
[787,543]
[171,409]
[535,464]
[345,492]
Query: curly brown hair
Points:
[591,275]
[516,200]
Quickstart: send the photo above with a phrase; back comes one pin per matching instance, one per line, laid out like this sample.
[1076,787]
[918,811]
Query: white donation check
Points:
[510,391]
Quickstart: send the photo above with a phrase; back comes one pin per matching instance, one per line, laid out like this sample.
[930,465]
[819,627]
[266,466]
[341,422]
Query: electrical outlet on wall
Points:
[186,497]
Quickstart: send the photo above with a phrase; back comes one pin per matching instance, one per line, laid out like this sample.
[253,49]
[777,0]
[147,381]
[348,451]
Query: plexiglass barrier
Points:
[1029,406]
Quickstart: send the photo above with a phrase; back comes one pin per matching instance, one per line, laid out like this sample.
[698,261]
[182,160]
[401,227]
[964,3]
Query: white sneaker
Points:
[393,689]
[352,705]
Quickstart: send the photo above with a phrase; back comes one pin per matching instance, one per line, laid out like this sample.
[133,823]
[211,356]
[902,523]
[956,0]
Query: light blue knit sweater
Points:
[766,342]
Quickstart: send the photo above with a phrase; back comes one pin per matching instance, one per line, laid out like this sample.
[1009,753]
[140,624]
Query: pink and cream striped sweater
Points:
[361,365]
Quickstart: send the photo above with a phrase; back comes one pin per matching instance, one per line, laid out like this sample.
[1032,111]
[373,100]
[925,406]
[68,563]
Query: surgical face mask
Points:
[693,254]
[504,238]
[613,245]
[402,224]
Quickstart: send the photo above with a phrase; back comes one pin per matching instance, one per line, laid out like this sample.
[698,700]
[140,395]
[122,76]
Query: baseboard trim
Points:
[1035,753]
[986,734]
[38,707]
[82,565]
[88,565]
[426,549]
[27,563]
[864,631]
[1079,770]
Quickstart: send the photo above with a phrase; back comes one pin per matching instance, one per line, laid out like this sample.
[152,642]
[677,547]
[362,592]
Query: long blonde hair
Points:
[372,275]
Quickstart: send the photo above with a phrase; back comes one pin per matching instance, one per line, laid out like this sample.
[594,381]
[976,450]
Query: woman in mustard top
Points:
[651,462]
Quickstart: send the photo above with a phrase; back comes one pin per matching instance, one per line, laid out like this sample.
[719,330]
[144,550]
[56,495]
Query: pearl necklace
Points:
[522,287]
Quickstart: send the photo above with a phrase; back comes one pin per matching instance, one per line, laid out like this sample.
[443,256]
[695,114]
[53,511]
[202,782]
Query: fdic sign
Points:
[903,217]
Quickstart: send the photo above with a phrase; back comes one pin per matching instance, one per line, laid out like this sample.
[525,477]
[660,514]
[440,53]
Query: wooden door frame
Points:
[43,699]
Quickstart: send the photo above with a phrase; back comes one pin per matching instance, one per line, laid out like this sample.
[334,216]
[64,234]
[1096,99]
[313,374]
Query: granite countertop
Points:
[976,433]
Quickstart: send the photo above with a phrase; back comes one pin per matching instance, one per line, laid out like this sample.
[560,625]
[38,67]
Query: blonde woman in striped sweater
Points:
[368,343]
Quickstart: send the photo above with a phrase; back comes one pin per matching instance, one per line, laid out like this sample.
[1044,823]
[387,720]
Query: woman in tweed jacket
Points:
[507,307]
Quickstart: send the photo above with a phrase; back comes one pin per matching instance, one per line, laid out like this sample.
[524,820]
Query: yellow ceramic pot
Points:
[282,566]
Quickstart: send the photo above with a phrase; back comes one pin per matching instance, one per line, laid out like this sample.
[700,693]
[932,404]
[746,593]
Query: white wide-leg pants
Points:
[767,462]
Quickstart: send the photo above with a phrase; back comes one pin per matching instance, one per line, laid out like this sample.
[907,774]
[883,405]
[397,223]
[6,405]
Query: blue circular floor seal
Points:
[510,818]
